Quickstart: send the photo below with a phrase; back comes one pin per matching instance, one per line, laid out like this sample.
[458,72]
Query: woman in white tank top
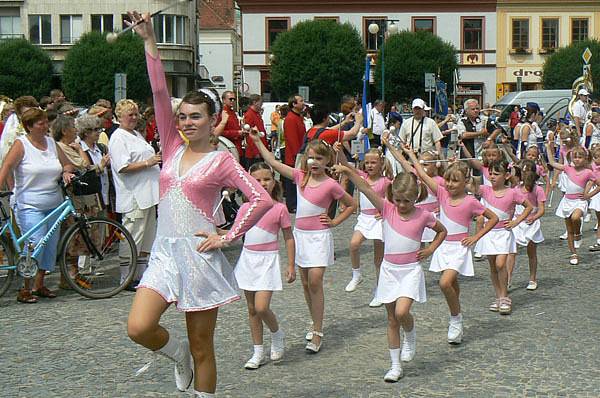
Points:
[36,164]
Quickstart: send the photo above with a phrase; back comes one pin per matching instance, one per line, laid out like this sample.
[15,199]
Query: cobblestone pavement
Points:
[549,346]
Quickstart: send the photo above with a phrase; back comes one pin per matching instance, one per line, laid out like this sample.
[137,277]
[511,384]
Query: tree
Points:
[408,56]
[565,65]
[91,64]
[24,69]
[324,55]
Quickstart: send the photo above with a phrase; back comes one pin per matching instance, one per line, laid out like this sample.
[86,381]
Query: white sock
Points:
[258,351]
[395,357]
[456,318]
[173,349]
[598,241]
[278,335]
[356,273]
[202,394]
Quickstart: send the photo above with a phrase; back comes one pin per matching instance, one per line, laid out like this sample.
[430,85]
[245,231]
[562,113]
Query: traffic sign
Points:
[304,92]
[587,55]
[429,81]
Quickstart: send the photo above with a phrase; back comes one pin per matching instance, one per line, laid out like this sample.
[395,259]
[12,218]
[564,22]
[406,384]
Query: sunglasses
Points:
[231,99]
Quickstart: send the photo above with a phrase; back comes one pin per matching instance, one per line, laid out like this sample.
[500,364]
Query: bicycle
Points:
[98,277]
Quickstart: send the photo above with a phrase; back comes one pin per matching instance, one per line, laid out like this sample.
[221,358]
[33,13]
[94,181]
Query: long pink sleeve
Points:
[170,139]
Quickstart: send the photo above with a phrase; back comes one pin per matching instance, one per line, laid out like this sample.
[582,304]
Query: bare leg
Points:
[307,298]
[510,265]
[256,327]
[393,326]
[201,328]
[570,235]
[403,314]
[317,299]
[494,275]
[448,282]
[262,305]
[532,254]
[377,257]
[142,325]
[502,274]
[355,243]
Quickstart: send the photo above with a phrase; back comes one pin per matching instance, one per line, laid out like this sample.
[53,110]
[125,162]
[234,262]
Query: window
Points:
[125,18]
[472,34]
[374,41]
[170,29]
[274,27]
[520,34]
[40,29]
[424,24]
[335,19]
[102,23]
[579,29]
[10,27]
[71,28]
[550,33]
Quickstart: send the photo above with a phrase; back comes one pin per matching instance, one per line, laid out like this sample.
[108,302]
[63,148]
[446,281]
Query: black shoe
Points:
[132,286]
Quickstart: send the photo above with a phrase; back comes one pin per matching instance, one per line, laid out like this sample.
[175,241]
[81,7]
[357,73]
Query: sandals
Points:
[595,247]
[312,347]
[495,306]
[44,292]
[505,306]
[574,259]
[25,296]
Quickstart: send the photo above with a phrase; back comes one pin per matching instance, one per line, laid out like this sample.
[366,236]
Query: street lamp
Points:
[392,29]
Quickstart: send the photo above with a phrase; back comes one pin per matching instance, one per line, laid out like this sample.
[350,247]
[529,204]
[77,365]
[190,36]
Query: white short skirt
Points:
[428,235]
[566,207]
[369,226]
[258,270]
[525,233]
[498,241]
[195,281]
[395,281]
[452,255]
[313,248]
[595,202]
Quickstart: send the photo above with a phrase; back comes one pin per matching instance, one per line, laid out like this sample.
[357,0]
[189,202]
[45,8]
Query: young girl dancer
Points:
[500,241]
[257,270]
[314,241]
[453,257]
[574,204]
[595,200]
[528,233]
[184,269]
[376,171]
[401,279]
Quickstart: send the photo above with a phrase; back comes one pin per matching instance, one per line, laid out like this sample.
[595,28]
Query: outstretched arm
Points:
[362,185]
[281,168]
[406,166]
[474,163]
[551,160]
[430,182]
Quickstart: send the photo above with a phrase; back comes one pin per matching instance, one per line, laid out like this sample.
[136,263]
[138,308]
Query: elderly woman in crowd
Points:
[37,164]
[135,172]
[89,128]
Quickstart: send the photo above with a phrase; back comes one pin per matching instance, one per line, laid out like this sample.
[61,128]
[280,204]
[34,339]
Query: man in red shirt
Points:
[253,117]
[228,124]
[293,132]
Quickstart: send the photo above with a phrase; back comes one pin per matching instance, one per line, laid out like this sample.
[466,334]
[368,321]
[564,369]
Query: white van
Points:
[554,103]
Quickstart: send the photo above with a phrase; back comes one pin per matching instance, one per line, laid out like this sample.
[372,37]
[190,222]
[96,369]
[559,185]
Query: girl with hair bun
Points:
[401,279]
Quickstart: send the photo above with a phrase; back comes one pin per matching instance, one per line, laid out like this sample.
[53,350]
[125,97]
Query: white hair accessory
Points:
[214,99]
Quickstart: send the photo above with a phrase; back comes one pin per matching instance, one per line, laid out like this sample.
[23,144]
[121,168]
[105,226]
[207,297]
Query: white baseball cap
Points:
[583,91]
[419,103]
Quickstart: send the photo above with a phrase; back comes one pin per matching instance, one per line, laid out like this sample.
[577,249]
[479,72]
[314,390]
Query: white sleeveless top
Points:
[37,176]
[595,132]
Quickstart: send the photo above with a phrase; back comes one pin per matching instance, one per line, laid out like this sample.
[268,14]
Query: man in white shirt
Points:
[580,110]
[420,132]
[377,122]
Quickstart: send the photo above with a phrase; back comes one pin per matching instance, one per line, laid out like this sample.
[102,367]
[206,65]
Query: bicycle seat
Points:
[4,194]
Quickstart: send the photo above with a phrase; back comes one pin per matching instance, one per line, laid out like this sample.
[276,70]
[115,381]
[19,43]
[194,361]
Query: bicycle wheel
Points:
[7,265]
[92,254]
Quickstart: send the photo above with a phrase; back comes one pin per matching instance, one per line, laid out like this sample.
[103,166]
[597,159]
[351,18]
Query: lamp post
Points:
[392,29]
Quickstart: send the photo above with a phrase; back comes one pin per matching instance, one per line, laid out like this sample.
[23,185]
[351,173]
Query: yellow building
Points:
[529,31]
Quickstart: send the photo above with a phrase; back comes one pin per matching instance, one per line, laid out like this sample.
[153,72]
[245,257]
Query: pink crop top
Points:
[503,207]
[457,218]
[314,201]
[380,187]
[263,235]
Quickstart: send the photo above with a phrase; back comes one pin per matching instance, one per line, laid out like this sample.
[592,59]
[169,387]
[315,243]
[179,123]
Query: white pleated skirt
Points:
[313,248]
[452,255]
[595,202]
[525,233]
[395,281]
[369,227]
[497,241]
[567,206]
[258,270]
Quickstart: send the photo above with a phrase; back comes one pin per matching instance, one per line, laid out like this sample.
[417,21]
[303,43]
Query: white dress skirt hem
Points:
[370,227]
[567,206]
[313,248]
[395,281]
[595,202]
[258,271]
[497,241]
[452,255]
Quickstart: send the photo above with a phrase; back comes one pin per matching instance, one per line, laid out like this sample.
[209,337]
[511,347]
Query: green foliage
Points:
[24,69]
[91,64]
[324,55]
[408,56]
[565,65]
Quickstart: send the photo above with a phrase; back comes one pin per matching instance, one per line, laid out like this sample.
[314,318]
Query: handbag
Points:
[87,184]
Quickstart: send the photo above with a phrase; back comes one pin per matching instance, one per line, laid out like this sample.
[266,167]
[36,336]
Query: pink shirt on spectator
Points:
[457,218]
[380,187]
[263,235]
[314,201]
[403,237]
[503,207]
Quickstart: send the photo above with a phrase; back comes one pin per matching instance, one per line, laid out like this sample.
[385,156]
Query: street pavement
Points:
[549,346]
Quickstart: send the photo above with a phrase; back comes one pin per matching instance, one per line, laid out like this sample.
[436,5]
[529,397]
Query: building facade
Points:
[55,25]
[469,26]
[528,32]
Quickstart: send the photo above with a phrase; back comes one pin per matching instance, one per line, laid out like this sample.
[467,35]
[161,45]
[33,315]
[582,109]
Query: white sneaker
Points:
[255,362]
[478,255]
[532,285]
[564,236]
[375,303]
[277,346]
[587,217]
[184,373]
[393,375]
[353,284]
[455,331]
[409,345]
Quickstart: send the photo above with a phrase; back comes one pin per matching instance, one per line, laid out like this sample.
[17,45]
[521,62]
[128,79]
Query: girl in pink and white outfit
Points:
[257,270]
[315,192]
[185,269]
[401,278]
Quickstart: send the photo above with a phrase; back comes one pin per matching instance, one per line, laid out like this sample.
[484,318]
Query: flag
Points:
[366,109]
[441,99]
